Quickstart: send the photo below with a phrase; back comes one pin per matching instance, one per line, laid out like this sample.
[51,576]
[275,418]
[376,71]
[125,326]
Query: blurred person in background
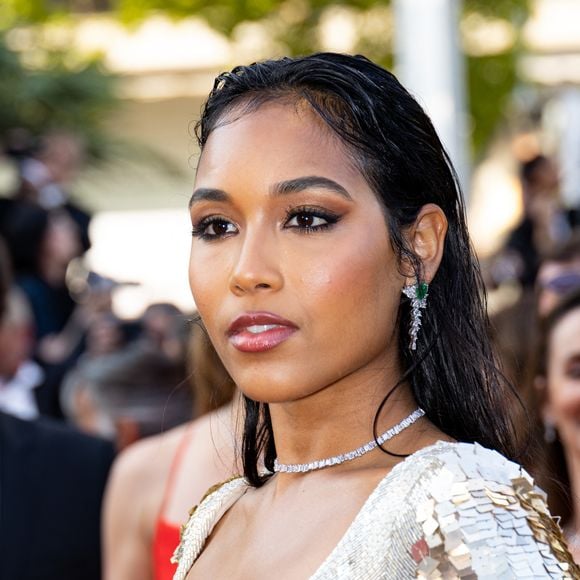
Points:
[142,522]
[513,329]
[19,374]
[42,244]
[106,332]
[5,275]
[554,396]
[51,480]
[127,395]
[164,326]
[558,275]
[47,169]
[105,335]
[544,225]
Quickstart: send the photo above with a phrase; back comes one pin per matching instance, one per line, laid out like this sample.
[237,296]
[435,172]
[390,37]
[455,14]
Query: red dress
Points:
[166,534]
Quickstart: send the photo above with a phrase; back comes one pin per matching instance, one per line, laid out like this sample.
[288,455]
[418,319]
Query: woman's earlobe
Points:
[428,238]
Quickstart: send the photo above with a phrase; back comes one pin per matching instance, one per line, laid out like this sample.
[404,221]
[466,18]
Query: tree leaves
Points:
[54,97]
[294,25]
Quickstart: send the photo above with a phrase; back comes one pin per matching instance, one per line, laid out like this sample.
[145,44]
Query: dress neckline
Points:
[240,490]
[356,521]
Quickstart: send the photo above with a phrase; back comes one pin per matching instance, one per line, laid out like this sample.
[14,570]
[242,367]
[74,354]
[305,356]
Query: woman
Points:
[42,244]
[156,480]
[331,266]
[557,402]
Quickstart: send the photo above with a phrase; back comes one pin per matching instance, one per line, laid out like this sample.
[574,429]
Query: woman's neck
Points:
[339,419]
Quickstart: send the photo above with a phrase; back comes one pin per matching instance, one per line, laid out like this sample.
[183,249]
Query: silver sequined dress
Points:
[451,510]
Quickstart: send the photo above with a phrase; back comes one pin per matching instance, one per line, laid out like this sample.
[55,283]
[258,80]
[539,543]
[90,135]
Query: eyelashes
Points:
[213,227]
[304,220]
[307,219]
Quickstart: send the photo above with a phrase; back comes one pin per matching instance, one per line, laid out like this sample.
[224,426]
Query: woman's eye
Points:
[213,228]
[310,220]
[573,371]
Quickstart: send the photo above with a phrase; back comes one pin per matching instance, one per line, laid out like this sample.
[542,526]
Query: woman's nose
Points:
[257,267]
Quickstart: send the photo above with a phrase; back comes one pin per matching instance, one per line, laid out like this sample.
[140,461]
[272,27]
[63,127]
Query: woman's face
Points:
[62,241]
[564,379]
[291,265]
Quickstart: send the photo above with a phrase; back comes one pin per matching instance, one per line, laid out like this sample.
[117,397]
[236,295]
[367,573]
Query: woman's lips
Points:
[259,331]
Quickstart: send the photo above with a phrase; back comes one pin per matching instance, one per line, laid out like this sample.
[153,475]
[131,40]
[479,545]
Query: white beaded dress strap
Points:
[202,521]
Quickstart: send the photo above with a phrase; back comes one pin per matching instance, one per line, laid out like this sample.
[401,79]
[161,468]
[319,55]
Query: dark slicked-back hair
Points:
[452,373]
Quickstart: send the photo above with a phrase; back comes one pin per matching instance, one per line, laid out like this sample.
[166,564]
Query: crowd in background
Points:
[69,355]
[75,380]
[68,363]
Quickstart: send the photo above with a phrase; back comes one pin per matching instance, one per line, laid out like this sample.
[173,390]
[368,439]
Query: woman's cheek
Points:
[568,399]
[565,399]
[354,268]
[207,275]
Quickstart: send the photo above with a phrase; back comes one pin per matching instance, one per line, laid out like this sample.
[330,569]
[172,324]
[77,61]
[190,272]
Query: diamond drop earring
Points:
[417,293]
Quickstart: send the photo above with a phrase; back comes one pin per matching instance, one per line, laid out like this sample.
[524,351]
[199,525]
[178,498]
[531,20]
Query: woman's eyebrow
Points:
[282,188]
[208,194]
[309,182]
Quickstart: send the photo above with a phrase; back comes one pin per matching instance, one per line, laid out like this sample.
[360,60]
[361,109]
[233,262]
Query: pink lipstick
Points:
[259,331]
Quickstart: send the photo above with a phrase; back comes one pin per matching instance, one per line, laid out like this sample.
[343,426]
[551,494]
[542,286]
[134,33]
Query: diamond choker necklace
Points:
[362,450]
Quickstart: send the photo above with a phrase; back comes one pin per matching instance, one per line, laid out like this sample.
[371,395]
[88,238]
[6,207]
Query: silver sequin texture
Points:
[452,510]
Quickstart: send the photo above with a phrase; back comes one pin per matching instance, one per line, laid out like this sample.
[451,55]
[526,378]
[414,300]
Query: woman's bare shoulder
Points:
[150,457]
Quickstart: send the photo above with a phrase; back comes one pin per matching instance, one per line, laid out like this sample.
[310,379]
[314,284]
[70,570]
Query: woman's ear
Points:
[427,238]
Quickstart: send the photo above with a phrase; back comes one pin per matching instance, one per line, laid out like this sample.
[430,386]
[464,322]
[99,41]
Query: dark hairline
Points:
[250,102]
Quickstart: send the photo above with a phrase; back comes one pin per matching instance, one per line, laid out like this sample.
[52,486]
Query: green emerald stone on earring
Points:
[422,290]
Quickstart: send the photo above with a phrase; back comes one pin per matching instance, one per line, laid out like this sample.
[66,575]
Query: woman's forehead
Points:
[278,134]
[272,115]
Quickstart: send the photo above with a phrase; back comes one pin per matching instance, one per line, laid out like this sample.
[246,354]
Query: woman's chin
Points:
[275,392]
[273,395]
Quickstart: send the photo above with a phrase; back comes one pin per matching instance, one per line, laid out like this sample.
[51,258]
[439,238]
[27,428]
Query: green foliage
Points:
[294,24]
[490,81]
[13,12]
[54,96]
[223,15]
[515,11]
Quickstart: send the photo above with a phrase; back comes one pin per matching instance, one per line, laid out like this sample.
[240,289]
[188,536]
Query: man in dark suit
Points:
[51,485]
